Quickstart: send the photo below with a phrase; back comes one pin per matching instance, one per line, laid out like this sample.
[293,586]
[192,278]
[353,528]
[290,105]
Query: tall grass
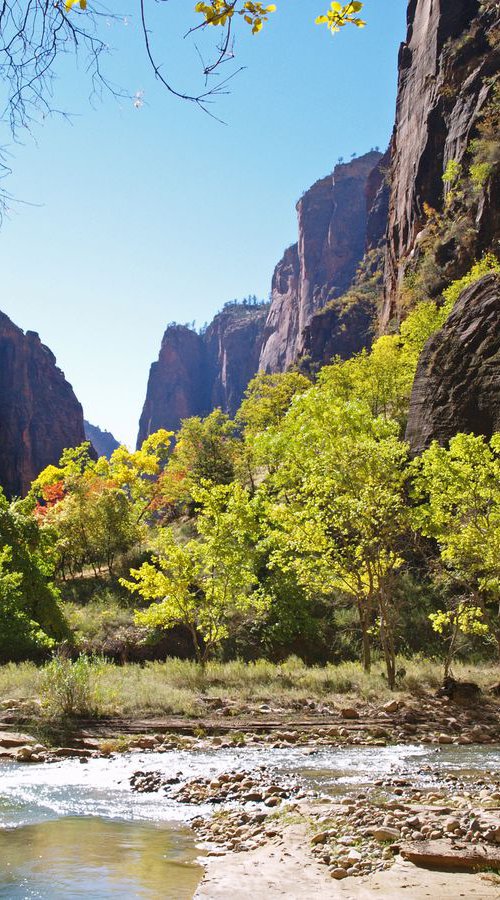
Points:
[95,687]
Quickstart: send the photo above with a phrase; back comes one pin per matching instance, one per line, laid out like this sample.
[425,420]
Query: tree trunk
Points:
[387,639]
[365,637]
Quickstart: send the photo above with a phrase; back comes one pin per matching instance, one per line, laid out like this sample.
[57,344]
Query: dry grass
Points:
[178,686]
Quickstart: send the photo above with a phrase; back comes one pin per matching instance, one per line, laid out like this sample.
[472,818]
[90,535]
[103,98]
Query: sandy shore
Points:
[284,868]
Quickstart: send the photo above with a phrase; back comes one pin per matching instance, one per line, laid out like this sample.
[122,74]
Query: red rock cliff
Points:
[196,373]
[447,69]
[332,218]
[39,413]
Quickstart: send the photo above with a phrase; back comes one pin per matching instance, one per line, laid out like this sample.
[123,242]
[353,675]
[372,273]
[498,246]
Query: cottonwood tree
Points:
[338,509]
[457,494]
[208,582]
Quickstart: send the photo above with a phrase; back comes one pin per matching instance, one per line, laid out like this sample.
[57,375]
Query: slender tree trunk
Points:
[365,637]
[387,639]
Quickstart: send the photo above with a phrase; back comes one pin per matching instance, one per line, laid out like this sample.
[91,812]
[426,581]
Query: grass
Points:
[179,686]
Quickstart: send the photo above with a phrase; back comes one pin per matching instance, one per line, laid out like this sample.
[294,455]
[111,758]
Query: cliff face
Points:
[457,385]
[103,442]
[176,389]
[39,413]
[233,342]
[447,67]
[332,220]
[197,372]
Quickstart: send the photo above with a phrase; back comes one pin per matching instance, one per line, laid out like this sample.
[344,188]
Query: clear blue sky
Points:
[139,217]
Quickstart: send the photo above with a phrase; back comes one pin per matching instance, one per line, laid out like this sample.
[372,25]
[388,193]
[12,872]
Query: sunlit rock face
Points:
[39,413]
[457,385]
[195,373]
[447,67]
[333,220]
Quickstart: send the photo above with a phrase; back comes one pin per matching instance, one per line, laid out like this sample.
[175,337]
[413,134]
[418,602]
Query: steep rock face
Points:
[39,413]
[197,372]
[457,385]
[103,442]
[176,388]
[233,343]
[338,330]
[444,85]
[332,220]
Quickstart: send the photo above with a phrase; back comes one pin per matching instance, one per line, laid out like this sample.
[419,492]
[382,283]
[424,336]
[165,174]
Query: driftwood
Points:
[442,855]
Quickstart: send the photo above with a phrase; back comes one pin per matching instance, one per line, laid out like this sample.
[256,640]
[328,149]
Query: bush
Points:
[69,688]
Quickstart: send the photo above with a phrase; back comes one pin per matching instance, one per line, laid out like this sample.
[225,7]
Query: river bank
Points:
[325,820]
[325,801]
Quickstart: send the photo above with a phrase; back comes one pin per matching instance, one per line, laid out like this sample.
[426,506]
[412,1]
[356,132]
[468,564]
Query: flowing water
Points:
[70,830]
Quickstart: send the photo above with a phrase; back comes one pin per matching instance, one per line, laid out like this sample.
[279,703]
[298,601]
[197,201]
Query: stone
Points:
[338,873]
[391,706]
[321,837]
[349,712]
[13,739]
[384,833]
[445,739]
[441,855]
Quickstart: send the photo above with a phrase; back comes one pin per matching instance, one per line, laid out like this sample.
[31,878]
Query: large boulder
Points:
[457,384]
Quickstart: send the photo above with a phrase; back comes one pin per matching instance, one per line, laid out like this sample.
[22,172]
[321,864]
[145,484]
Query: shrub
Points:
[69,688]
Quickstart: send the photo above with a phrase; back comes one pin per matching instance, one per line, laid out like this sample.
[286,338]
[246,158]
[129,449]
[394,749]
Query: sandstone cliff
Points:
[196,373]
[447,70]
[457,385]
[39,413]
[332,224]
[103,442]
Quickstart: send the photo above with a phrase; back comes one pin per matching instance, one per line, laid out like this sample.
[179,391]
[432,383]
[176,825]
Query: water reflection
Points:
[80,857]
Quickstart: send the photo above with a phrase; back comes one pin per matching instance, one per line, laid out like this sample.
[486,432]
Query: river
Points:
[70,829]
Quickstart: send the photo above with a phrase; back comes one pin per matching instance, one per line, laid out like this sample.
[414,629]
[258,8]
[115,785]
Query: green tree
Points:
[337,504]
[207,583]
[205,451]
[30,615]
[457,492]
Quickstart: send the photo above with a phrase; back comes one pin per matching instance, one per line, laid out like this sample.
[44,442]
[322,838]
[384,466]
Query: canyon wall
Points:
[332,237]
[446,76]
[103,442]
[457,385]
[39,413]
[197,372]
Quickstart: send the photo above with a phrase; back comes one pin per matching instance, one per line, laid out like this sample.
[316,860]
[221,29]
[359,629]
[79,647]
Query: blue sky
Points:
[138,217]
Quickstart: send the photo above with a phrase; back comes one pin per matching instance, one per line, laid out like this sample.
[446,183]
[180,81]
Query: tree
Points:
[205,451]
[457,491]
[207,582]
[30,616]
[337,504]
[93,509]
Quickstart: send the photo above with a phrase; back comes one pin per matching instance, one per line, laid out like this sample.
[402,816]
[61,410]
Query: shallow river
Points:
[70,830]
